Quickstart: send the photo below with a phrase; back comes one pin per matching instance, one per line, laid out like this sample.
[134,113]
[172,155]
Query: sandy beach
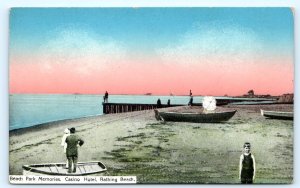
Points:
[137,144]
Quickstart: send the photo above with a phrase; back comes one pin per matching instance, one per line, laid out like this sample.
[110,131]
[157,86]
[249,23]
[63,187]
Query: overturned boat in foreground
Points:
[214,117]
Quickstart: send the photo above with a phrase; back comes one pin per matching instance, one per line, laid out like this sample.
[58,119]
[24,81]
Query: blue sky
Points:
[147,28]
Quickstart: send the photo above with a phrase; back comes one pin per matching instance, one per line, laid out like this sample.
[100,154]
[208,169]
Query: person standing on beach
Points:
[247,165]
[72,152]
[64,144]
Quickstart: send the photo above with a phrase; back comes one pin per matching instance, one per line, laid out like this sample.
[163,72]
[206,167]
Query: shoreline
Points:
[33,127]
[135,143]
[47,124]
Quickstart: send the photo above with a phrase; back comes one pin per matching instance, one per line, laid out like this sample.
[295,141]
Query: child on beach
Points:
[63,142]
[247,165]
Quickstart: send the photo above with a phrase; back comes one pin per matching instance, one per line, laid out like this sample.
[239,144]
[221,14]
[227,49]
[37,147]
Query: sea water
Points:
[28,110]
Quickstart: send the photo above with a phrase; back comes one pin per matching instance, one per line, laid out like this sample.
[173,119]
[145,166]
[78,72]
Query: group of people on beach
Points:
[70,141]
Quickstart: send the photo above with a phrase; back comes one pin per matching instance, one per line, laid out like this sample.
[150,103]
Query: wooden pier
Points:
[113,108]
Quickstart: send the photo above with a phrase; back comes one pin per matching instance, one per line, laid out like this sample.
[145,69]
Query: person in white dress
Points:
[64,144]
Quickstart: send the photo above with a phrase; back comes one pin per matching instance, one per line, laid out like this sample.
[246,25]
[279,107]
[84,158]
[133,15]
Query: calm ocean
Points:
[29,110]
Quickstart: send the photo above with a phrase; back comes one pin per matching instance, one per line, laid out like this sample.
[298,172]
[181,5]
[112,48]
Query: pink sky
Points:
[152,76]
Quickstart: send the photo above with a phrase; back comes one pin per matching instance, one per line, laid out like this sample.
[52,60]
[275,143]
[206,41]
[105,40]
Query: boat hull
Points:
[58,169]
[195,117]
[278,115]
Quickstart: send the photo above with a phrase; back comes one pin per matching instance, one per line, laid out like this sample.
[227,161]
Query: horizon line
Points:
[147,94]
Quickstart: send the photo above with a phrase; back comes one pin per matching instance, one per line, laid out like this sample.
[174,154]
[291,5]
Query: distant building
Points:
[286,98]
[251,94]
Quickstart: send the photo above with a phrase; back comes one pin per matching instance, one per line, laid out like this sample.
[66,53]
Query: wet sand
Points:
[174,152]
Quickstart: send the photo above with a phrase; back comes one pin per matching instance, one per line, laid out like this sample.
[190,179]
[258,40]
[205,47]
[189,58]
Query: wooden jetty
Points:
[113,108]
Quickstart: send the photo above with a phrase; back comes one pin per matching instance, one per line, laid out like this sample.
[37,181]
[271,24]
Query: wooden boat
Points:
[58,169]
[277,114]
[194,117]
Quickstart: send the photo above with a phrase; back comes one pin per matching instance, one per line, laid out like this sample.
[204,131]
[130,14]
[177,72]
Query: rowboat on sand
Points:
[277,114]
[58,169]
[194,117]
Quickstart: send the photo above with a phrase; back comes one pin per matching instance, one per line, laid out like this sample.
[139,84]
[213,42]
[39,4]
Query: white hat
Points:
[66,131]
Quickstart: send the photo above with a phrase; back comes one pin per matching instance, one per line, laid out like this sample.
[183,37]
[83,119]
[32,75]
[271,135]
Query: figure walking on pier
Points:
[191,101]
[105,97]
[158,103]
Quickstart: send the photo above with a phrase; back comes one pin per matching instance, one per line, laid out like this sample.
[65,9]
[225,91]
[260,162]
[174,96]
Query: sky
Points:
[212,51]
